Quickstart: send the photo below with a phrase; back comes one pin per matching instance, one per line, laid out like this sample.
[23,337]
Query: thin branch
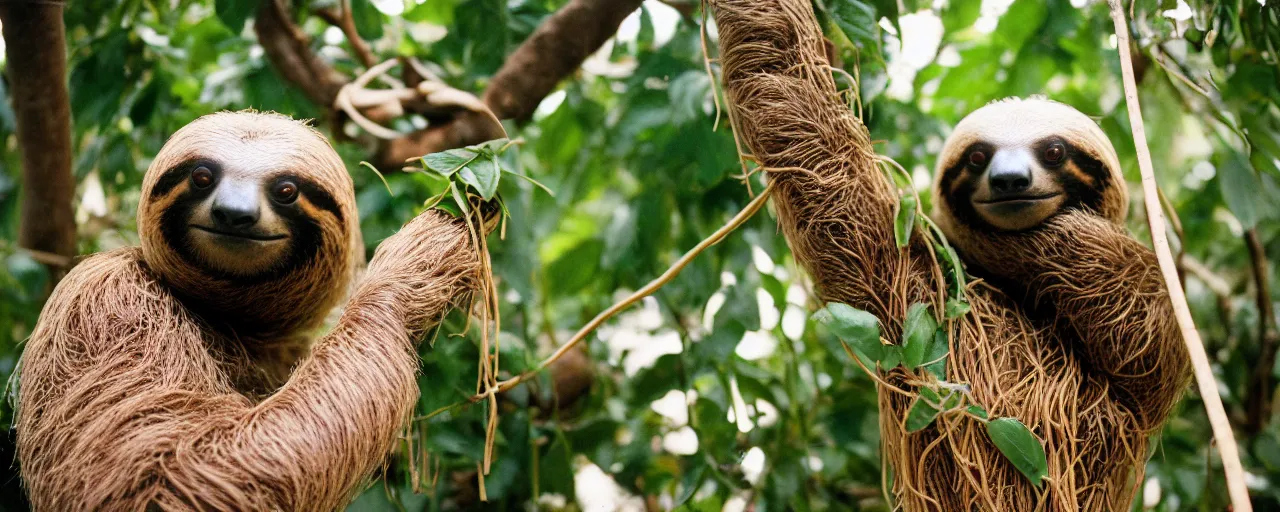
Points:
[288,49]
[738,220]
[346,22]
[1258,395]
[1208,385]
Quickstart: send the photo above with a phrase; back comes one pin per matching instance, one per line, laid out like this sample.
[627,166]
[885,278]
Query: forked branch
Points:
[554,51]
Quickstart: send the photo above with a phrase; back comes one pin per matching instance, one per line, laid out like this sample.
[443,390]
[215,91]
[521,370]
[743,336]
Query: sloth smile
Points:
[1017,200]
[242,236]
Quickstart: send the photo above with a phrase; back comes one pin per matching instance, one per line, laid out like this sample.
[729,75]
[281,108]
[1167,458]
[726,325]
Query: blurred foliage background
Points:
[718,393]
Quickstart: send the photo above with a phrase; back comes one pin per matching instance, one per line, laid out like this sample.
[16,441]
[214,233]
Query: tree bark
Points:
[37,69]
[555,50]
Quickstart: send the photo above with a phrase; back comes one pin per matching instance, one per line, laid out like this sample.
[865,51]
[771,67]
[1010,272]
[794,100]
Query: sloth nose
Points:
[1009,180]
[234,215]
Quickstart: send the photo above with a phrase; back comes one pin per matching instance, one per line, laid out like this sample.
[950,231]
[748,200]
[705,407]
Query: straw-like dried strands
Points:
[1092,397]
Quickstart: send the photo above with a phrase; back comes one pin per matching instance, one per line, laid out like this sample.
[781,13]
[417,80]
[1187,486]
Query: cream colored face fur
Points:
[1013,164]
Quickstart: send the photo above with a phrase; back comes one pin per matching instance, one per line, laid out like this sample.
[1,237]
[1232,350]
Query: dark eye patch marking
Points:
[306,234]
[180,173]
[958,184]
[1084,178]
[318,196]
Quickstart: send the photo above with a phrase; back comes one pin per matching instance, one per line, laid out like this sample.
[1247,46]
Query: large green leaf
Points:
[935,355]
[926,407]
[858,21]
[448,162]
[368,20]
[482,174]
[917,335]
[1240,188]
[1020,446]
[905,222]
[233,13]
[858,328]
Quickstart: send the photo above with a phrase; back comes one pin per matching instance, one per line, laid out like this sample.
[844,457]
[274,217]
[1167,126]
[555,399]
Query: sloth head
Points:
[251,218]
[1013,164]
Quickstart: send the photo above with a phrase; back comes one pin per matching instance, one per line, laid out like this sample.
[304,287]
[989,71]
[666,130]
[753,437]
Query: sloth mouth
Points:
[242,236]
[1018,199]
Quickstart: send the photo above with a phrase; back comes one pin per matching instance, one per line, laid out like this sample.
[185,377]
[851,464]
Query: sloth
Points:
[1070,331]
[180,374]
[1031,194]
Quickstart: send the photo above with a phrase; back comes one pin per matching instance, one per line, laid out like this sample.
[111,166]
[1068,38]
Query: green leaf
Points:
[233,13]
[144,104]
[923,410]
[905,223]
[858,21]
[368,20]
[889,9]
[858,328]
[960,15]
[892,357]
[1240,186]
[490,148]
[952,258]
[575,269]
[935,355]
[978,411]
[917,334]
[448,162]
[1020,446]
[956,308]
[690,483]
[1020,22]
[482,174]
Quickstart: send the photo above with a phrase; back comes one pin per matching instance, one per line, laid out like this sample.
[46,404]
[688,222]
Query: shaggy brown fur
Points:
[133,392]
[1091,361]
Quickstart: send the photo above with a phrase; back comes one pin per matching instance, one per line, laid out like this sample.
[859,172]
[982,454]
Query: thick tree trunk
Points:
[37,72]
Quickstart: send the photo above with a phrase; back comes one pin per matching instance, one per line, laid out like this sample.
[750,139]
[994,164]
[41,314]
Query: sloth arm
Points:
[124,407]
[835,204]
[1108,288]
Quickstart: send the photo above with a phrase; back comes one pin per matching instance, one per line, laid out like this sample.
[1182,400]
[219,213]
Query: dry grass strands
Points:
[1090,395]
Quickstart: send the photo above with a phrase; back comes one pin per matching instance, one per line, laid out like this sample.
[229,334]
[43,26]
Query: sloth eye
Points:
[284,192]
[1054,153]
[202,177]
[977,159]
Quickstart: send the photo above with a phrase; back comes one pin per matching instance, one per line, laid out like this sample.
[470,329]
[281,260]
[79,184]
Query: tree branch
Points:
[1258,396]
[288,49]
[554,51]
[37,68]
[1205,380]
[346,21]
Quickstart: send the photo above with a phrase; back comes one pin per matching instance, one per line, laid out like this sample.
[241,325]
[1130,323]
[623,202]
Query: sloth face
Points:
[239,217]
[251,213]
[1013,164]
